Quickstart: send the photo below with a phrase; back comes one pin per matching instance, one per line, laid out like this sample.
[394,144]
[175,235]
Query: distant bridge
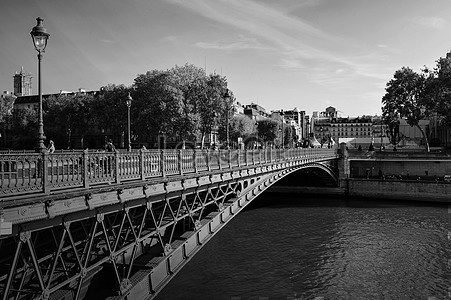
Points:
[119,225]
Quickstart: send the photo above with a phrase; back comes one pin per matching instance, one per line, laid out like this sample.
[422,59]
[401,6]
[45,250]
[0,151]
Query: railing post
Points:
[208,160]
[163,171]
[117,175]
[245,157]
[238,157]
[45,173]
[179,157]
[195,161]
[230,158]
[141,164]
[219,159]
[85,163]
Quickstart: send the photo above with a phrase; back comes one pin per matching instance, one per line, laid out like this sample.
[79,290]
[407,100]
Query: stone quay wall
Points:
[398,189]
[395,175]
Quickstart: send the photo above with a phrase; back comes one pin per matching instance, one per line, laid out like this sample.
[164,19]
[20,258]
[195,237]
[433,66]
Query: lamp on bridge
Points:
[283,121]
[128,102]
[40,37]
[227,99]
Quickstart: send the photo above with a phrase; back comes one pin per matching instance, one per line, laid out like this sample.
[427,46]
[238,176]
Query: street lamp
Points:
[281,115]
[128,102]
[227,99]
[40,37]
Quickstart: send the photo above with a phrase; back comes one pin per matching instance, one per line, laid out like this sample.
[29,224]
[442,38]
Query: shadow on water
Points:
[314,200]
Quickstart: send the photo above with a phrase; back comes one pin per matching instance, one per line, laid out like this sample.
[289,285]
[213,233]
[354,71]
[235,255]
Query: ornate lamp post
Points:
[227,99]
[40,37]
[283,121]
[128,102]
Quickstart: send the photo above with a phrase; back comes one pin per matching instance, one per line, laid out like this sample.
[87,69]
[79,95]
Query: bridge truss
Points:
[127,240]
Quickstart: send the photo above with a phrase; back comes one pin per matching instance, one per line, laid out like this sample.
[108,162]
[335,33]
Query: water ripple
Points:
[340,251]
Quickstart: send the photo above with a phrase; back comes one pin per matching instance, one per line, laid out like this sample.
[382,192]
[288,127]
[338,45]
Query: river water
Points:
[310,247]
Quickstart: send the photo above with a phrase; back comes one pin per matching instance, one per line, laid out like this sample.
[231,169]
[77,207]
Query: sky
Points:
[308,54]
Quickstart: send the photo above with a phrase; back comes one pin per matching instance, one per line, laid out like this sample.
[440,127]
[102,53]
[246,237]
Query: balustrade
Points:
[25,173]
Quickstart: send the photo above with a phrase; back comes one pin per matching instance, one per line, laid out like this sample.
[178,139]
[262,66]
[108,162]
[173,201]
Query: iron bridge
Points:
[120,225]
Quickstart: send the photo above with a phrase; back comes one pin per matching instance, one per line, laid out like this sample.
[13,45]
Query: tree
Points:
[404,98]
[438,89]
[6,107]
[24,125]
[267,130]
[226,116]
[158,104]
[239,127]
[210,105]
[69,113]
[109,110]
[190,80]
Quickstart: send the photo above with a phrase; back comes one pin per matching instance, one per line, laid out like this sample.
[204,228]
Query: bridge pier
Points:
[343,168]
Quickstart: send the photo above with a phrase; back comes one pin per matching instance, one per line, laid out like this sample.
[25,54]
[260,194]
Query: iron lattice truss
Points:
[96,255]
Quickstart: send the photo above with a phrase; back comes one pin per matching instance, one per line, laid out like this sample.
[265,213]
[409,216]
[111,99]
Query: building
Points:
[22,83]
[32,101]
[362,131]
[296,119]
[256,112]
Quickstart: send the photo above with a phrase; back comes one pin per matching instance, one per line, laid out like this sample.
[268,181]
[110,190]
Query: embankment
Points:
[380,189]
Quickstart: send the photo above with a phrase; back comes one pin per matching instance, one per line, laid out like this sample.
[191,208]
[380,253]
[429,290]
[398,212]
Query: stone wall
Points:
[400,190]
[371,168]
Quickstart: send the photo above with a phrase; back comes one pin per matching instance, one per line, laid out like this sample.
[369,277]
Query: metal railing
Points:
[26,173]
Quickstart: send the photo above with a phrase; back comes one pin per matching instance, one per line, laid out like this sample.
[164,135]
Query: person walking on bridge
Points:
[51,147]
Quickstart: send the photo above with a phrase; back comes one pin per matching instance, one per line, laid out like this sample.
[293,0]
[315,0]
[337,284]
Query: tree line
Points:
[182,103]
[417,96]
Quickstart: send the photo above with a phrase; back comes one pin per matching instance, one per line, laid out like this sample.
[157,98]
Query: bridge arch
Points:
[161,206]
[323,173]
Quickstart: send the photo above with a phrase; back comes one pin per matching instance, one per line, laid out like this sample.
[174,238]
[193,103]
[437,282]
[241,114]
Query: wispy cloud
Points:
[432,22]
[242,43]
[295,42]
[170,39]
[106,41]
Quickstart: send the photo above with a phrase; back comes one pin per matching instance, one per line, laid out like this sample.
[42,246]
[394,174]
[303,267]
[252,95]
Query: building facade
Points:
[22,83]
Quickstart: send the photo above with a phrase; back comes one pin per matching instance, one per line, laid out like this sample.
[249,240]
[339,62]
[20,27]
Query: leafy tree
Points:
[190,80]
[239,127]
[211,105]
[158,104]
[267,130]
[226,117]
[404,98]
[289,137]
[24,124]
[438,89]
[109,111]
[6,107]
[68,112]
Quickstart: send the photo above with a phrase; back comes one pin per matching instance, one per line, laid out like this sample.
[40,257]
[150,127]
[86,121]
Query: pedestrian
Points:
[51,147]
[109,147]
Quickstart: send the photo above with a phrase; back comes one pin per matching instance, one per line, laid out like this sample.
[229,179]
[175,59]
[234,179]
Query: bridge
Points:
[120,225]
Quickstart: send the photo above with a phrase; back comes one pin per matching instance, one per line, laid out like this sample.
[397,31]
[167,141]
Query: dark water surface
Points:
[303,247]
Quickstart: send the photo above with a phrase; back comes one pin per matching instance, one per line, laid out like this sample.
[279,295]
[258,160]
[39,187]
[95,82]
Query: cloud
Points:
[108,41]
[432,22]
[297,44]
[170,39]
[242,43]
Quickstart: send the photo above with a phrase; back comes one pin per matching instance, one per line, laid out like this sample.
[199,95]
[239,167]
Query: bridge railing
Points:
[26,173]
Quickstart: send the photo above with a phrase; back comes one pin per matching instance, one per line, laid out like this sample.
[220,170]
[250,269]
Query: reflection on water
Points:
[305,247]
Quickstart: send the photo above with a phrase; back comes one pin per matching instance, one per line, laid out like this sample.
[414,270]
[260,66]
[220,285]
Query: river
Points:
[312,247]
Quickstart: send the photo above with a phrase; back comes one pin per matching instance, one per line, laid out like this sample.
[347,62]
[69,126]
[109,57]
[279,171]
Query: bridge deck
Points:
[128,218]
